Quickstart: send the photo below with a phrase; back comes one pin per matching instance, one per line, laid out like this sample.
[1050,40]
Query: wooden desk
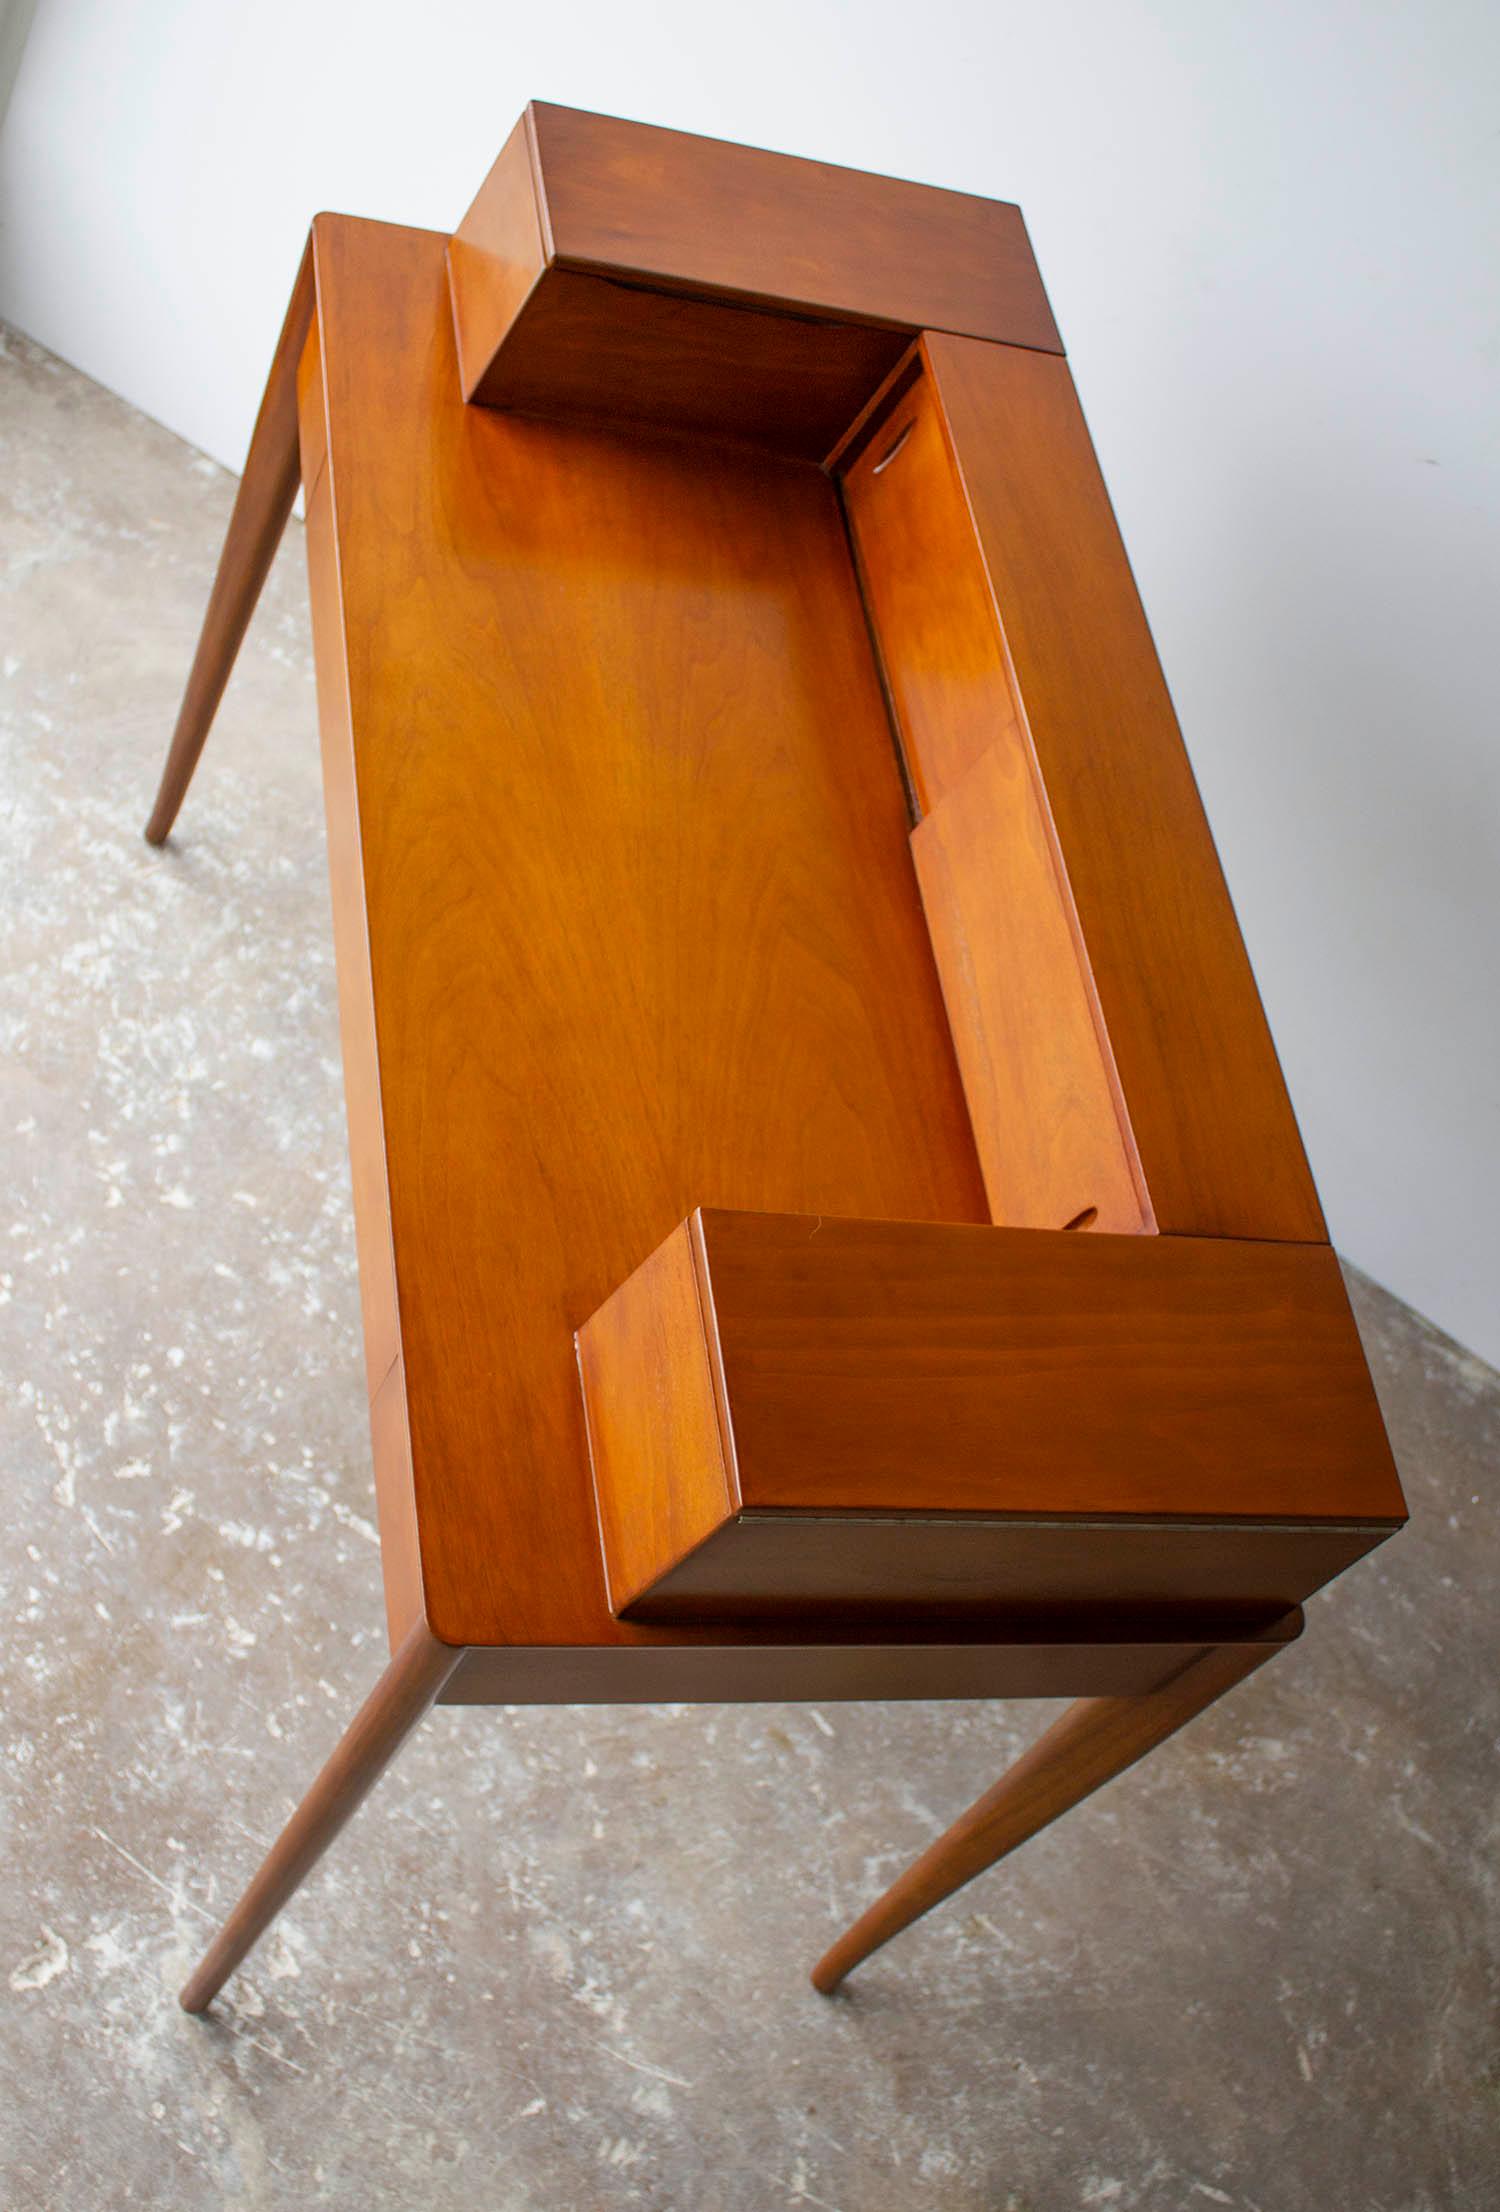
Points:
[750,787]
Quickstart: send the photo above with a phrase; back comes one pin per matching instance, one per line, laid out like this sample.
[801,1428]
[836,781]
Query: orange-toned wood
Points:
[798,285]
[1049,1118]
[396,1505]
[641,920]
[426,482]
[261,506]
[399,1699]
[356,1016]
[626,915]
[589,347]
[664,1477]
[695,213]
[1044,1099]
[496,256]
[312,415]
[400,1549]
[931,610]
[1095,1740]
[793,1414]
[1208,1110]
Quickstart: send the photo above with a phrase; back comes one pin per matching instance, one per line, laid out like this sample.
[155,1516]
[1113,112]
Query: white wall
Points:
[15,23]
[1271,235]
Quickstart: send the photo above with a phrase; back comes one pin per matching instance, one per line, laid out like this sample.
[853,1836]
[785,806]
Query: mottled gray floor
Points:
[560,1961]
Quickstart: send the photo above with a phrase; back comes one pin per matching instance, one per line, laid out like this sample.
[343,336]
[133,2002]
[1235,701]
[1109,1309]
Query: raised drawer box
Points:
[788,1412]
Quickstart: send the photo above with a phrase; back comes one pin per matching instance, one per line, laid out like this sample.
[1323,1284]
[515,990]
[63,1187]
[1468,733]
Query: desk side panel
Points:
[372,1223]
[1044,1097]
[1208,1109]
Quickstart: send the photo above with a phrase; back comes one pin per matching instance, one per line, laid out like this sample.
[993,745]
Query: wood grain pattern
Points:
[496,257]
[1049,1118]
[400,1554]
[627,923]
[792,1414]
[614,270]
[685,213]
[663,1471]
[591,349]
[641,917]
[1111,1372]
[377,1273]
[1209,1113]
[1095,1740]
[924,581]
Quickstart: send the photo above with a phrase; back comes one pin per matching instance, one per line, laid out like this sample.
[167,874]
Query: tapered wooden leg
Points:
[372,1739]
[1096,1738]
[262,504]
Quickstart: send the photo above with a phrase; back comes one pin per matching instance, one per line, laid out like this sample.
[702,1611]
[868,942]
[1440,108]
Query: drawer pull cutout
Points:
[894,448]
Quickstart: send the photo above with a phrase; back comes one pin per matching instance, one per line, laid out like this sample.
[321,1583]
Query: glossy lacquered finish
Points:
[1049,1117]
[1208,1112]
[639,912]
[614,270]
[807,1413]
[638,734]
[1051,1121]
[932,613]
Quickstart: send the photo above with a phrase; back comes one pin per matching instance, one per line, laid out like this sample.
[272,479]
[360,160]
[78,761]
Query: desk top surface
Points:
[643,927]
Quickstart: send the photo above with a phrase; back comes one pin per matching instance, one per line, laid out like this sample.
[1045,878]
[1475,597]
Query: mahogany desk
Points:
[830,1221]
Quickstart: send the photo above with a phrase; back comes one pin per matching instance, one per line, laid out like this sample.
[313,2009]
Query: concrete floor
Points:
[561,1959]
